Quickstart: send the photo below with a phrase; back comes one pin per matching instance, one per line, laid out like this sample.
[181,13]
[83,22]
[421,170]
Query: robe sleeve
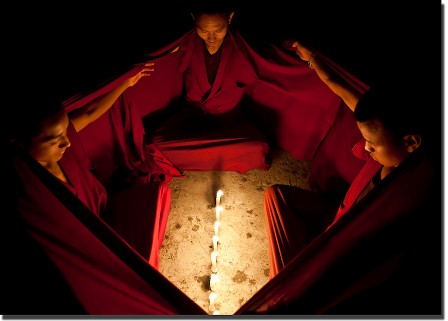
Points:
[370,261]
[103,273]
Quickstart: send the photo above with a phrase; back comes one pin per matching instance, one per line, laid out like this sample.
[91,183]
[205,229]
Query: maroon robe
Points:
[295,216]
[360,182]
[206,131]
[138,212]
[100,271]
[284,103]
[76,167]
[381,255]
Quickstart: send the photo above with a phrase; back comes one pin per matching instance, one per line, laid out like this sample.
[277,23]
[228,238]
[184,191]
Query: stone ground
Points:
[243,259]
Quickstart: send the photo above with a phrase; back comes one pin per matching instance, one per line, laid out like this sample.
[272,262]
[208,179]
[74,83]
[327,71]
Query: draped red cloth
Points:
[382,257]
[76,166]
[295,216]
[282,102]
[363,178]
[104,266]
[369,265]
[114,142]
[139,214]
[101,270]
[138,211]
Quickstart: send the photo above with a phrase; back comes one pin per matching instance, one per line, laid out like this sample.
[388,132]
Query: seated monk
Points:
[138,212]
[396,269]
[207,130]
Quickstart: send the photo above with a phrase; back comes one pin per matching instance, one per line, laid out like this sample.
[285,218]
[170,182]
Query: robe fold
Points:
[295,216]
[206,131]
[109,268]
[381,257]
[138,211]
[98,272]
[272,97]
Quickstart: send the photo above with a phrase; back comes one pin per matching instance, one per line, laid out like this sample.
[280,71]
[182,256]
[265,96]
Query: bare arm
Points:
[83,116]
[329,76]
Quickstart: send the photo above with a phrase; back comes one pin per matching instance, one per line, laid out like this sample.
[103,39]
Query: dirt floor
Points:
[242,256]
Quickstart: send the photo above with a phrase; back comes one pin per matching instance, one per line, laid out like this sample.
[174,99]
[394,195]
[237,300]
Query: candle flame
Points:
[214,277]
[218,212]
[216,227]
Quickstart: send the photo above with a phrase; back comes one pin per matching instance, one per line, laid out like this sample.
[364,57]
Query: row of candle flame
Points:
[214,277]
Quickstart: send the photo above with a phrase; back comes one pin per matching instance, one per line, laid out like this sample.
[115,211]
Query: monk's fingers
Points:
[288,44]
[148,67]
[146,71]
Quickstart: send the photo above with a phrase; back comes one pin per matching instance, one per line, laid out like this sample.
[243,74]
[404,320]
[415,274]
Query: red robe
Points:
[283,102]
[76,166]
[138,211]
[363,178]
[101,272]
[381,255]
[294,217]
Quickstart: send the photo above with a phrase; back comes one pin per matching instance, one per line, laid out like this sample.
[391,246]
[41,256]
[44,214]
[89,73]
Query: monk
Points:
[50,136]
[389,138]
[206,129]
[390,209]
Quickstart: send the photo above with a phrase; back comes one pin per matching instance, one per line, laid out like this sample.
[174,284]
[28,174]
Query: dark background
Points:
[73,46]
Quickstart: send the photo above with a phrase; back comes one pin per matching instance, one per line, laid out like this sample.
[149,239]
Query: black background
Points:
[72,46]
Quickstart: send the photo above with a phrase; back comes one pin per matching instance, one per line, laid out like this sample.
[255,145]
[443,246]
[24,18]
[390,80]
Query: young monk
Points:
[207,130]
[49,136]
[392,132]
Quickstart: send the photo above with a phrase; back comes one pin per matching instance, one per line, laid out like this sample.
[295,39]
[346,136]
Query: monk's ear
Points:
[412,142]
[231,16]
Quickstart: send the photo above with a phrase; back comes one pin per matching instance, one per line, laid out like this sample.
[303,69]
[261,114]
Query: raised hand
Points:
[302,51]
[145,71]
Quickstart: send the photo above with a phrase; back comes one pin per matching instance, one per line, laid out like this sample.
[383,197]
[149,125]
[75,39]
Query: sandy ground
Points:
[242,260]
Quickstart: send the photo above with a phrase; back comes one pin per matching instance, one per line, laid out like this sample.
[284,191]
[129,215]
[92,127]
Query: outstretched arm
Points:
[83,116]
[328,75]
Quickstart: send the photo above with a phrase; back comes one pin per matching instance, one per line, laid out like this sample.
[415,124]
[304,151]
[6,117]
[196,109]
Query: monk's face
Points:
[52,141]
[212,28]
[382,146]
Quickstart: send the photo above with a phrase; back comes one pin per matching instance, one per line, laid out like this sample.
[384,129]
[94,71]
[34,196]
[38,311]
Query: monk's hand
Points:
[302,51]
[145,71]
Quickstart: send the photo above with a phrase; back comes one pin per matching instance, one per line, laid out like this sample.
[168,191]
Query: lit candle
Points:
[218,197]
[216,228]
[212,298]
[214,267]
[218,212]
[215,242]
[214,278]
